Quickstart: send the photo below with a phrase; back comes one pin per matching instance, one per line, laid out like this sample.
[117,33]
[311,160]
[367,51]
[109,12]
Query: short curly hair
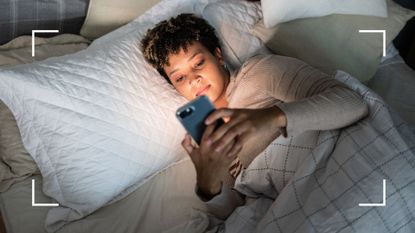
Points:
[170,36]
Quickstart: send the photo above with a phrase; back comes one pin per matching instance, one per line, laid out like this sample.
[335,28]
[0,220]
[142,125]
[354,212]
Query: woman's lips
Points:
[203,91]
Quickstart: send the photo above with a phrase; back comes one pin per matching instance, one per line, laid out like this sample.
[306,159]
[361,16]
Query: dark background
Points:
[405,41]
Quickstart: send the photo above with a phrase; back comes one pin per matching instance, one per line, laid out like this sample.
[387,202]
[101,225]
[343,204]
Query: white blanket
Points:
[346,168]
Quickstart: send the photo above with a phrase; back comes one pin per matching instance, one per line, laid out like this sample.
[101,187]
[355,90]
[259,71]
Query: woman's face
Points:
[198,72]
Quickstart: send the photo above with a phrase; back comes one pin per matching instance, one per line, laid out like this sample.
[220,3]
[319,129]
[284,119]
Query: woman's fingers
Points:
[208,132]
[231,134]
[228,147]
[237,147]
[218,114]
[187,144]
[223,129]
[232,149]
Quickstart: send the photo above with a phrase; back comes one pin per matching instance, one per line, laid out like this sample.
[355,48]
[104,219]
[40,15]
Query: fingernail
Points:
[208,142]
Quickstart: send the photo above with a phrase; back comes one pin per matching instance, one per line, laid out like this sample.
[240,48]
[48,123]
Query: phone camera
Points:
[185,113]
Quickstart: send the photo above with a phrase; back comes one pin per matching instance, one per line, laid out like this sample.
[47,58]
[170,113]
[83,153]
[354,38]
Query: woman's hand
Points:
[212,167]
[259,126]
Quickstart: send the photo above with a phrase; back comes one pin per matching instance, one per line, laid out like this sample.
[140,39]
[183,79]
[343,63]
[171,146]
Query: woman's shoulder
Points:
[266,62]
[266,66]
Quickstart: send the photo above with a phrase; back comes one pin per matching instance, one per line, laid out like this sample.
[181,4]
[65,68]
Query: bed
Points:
[166,200]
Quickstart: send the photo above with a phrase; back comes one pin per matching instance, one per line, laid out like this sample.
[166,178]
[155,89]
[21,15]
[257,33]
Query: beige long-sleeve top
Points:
[311,100]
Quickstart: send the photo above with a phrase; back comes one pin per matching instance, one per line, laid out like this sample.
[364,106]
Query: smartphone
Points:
[193,114]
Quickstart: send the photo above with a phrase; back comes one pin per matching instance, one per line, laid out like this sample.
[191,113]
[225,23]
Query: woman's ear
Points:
[218,55]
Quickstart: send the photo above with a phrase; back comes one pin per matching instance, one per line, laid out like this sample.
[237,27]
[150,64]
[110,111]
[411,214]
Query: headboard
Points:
[21,17]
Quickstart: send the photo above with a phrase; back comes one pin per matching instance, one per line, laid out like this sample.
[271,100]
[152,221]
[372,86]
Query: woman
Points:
[268,96]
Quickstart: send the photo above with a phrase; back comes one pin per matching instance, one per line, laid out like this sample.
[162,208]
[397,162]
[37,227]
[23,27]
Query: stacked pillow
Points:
[333,42]
[232,21]
[280,11]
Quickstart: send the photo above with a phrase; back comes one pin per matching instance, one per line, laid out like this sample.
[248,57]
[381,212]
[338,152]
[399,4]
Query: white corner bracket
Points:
[378,204]
[39,31]
[378,31]
[33,198]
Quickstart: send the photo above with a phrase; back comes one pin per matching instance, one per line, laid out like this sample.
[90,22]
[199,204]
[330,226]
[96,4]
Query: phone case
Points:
[193,114]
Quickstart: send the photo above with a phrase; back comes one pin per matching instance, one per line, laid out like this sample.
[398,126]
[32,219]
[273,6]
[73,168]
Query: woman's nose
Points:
[195,80]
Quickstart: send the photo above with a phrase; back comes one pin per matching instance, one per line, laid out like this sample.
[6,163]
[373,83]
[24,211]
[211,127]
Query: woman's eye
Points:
[200,63]
[179,79]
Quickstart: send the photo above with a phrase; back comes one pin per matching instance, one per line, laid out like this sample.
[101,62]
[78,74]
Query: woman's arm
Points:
[311,100]
[214,182]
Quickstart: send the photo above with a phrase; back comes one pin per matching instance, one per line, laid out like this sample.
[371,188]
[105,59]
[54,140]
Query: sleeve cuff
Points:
[203,196]
[222,204]
[292,121]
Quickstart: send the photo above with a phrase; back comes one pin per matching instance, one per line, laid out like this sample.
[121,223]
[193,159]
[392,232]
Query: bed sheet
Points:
[19,50]
[162,205]
[394,81]
[15,163]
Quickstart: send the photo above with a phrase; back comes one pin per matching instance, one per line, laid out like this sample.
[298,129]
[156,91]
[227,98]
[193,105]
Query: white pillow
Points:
[99,122]
[233,21]
[333,42]
[280,11]
[96,123]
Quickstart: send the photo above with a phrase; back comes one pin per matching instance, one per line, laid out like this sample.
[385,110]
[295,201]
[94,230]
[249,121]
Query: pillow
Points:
[106,15]
[233,21]
[15,163]
[333,42]
[98,123]
[280,11]
[21,17]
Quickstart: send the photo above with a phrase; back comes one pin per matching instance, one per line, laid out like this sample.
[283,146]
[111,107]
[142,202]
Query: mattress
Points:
[163,204]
